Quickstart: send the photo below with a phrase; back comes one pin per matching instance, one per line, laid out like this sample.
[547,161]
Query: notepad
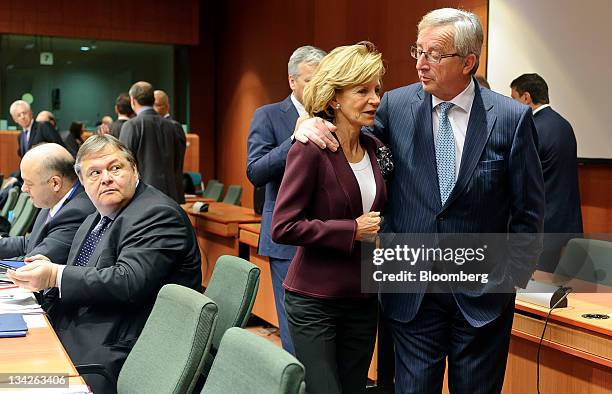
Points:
[12,325]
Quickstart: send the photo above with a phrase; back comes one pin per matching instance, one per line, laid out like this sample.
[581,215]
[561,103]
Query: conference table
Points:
[39,352]
[217,232]
[576,353]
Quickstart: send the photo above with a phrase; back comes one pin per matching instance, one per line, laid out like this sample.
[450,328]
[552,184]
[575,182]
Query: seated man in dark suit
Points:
[49,178]
[121,256]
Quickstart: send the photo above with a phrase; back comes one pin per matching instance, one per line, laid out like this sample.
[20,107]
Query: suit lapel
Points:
[381,188]
[32,133]
[34,237]
[290,116]
[424,142]
[482,120]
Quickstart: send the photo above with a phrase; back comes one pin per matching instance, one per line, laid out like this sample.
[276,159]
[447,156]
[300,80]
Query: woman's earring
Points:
[338,106]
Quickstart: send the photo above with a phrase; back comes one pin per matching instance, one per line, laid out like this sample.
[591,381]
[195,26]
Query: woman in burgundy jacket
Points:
[327,205]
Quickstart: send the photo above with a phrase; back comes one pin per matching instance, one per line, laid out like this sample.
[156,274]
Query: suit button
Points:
[441,219]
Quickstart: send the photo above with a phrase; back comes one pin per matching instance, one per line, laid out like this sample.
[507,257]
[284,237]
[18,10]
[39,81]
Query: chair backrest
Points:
[586,259]
[233,286]
[18,208]
[11,200]
[168,356]
[196,179]
[232,196]
[24,220]
[214,191]
[247,363]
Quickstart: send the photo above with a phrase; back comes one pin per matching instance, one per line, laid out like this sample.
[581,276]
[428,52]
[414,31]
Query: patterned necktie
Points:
[91,241]
[445,153]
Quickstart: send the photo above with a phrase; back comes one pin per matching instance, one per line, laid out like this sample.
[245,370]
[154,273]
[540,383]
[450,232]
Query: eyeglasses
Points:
[431,56]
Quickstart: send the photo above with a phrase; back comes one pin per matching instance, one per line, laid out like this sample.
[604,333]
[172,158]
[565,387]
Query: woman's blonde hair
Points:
[344,67]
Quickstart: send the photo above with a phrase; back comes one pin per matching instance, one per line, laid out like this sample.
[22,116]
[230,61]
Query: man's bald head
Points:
[46,116]
[48,174]
[162,103]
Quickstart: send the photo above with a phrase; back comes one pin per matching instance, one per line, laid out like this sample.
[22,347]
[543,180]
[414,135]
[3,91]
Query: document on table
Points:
[17,300]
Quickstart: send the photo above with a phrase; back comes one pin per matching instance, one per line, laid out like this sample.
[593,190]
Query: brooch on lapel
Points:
[385,161]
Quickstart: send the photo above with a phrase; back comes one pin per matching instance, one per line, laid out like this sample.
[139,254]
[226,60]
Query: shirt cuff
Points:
[58,279]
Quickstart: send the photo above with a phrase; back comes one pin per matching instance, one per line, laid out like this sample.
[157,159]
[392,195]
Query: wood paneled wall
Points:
[251,44]
[596,197]
[156,21]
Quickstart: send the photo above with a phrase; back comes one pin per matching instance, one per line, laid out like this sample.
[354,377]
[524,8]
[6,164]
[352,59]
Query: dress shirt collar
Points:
[541,107]
[55,209]
[123,117]
[298,106]
[463,100]
[141,109]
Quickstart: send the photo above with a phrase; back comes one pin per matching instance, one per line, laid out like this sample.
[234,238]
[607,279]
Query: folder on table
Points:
[12,325]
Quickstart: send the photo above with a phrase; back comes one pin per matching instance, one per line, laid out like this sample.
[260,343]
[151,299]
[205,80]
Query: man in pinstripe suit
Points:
[488,181]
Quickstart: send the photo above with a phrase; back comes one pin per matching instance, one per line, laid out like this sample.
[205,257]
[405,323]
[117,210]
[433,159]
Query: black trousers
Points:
[334,339]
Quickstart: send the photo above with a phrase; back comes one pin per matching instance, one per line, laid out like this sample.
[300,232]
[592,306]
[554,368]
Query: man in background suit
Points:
[33,132]
[124,112]
[49,178]
[267,147]
[557,151]
[158,144]
[465,162]
[121,256]
[162,104]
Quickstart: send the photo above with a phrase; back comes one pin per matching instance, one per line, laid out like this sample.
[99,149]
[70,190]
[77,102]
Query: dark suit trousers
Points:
[278,271]
[476,355]
[334,339]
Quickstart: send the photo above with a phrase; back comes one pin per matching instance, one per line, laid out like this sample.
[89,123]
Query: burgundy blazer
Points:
[317,204]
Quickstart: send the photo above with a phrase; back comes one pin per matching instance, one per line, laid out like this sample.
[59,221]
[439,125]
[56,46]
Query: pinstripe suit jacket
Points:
[499,188]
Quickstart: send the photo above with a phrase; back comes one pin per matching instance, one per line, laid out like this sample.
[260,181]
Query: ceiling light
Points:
[85,48]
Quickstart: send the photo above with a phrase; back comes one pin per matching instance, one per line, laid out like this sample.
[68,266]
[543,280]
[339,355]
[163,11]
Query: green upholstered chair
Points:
[11,200]
[169,354]
[18,208]
[233,286]
[214,190]
[249,364]
[196,180]
[232,196]
[22,221]
[587,259]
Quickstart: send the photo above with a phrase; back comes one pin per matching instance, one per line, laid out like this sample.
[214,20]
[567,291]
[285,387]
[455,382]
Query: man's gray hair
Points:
[19,103]
[468,37]
[97,143]
[306,54]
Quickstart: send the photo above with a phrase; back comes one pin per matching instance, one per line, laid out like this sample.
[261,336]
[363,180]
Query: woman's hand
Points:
[368,226]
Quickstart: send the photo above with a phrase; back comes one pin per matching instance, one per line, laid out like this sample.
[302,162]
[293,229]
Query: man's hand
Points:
[316,130]
[29,259]
[34,276]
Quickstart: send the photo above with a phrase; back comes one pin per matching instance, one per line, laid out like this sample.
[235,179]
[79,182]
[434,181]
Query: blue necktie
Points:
[91,241]
[24,142]
[445,153]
